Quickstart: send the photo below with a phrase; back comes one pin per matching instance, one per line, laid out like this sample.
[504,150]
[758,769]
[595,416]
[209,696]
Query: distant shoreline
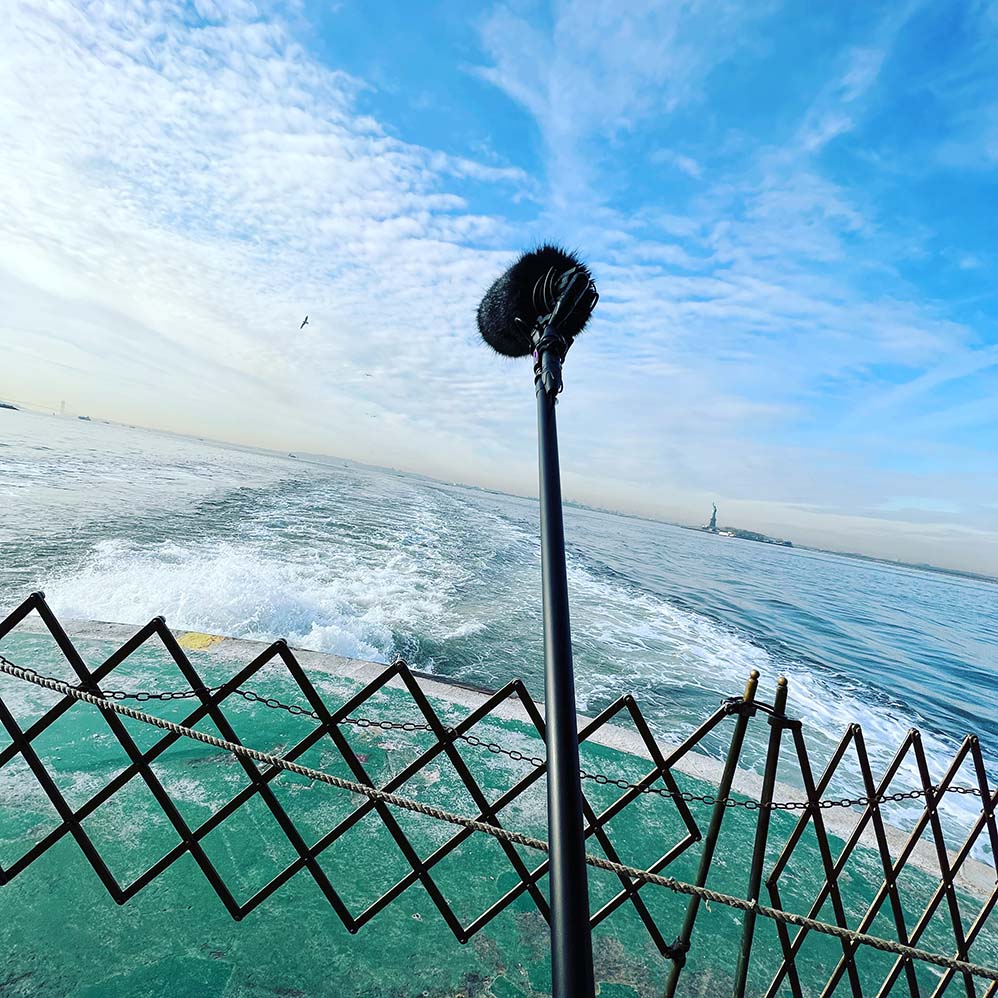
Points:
[917,566]
[323,458]
[738,534]
[920,566]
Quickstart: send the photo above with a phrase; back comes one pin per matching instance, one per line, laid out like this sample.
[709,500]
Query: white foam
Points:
[347,608]
[675,649]
[465,630]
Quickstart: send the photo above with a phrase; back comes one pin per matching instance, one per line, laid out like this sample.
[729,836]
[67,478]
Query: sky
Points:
[789,210]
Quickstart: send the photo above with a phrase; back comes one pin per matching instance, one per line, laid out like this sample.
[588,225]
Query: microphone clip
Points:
[556,298]
[550,348]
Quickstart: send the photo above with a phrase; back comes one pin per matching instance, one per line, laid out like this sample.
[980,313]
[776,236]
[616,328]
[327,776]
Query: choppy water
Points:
[124,524]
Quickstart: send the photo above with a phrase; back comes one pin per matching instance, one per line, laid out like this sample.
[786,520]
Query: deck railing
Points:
[961,897]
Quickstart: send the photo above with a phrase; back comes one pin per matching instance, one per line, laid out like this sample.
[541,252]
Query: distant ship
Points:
[86,419]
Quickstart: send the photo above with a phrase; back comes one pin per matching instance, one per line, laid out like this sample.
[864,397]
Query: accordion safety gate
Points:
[921,924]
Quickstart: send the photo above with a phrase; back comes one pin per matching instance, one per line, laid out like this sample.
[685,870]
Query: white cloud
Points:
[593,72]
[179,196]
[685,164]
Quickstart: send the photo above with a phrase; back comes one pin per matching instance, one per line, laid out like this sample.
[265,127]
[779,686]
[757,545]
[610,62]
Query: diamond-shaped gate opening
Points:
[364,864]
[484,746]
[643,833]
[314,807]
[248,849]
[130,831]
[479,881]
[199,779]
[473,870]
[358,840]
[29,814]
[79,753]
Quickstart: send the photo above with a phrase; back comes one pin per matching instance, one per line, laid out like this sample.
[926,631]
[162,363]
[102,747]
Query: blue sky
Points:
[788,209]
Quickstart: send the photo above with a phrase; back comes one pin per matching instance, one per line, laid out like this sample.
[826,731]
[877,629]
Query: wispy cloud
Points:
[778,299]
[199,187]
[833,112]
[592,74]
[685,164]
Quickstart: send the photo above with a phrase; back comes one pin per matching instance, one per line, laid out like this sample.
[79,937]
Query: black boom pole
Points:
[571,939]
[537,308]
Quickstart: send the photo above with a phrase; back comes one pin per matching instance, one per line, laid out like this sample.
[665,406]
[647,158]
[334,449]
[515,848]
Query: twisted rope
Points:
[506,835]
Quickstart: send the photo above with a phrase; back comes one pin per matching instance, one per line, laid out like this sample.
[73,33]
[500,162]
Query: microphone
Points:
[545,287]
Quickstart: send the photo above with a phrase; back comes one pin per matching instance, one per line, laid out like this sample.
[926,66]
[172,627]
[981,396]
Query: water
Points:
[124,524]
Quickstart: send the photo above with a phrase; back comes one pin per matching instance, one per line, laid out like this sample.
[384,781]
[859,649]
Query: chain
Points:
[600,779]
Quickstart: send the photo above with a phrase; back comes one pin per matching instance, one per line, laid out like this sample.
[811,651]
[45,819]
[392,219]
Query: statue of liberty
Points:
[713,519]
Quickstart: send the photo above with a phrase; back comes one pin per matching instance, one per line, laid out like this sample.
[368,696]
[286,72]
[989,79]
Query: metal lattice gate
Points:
[965,880]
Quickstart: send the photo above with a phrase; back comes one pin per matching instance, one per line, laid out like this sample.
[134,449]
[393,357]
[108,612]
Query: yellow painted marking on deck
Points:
[195,641]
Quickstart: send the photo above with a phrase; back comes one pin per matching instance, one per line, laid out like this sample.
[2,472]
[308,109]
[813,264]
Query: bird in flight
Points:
[304,324]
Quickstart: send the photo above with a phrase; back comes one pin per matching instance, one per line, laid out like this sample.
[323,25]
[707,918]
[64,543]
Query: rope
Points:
[504,834]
